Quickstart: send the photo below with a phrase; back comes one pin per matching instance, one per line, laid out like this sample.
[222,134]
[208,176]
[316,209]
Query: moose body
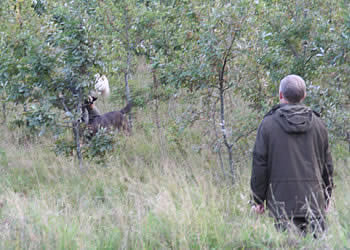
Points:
[110,120]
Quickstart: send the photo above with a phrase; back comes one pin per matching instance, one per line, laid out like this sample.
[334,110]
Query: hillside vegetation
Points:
[201,75]
[150,193]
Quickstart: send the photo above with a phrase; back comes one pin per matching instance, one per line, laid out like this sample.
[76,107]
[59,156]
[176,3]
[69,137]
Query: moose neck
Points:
[93,112]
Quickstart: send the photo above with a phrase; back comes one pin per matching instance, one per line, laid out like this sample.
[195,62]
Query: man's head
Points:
[292,89]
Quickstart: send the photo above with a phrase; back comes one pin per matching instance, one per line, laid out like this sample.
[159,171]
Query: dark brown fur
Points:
[110,120]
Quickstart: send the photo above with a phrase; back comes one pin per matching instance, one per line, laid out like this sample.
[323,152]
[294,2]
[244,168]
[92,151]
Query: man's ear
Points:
[303,97]
[281,95]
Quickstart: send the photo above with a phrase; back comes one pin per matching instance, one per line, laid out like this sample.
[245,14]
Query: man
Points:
[292,164]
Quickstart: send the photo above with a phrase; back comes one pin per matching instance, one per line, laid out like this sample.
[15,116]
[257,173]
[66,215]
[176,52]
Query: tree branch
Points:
[307,61]
[245,135]
[63,103]
[295,53]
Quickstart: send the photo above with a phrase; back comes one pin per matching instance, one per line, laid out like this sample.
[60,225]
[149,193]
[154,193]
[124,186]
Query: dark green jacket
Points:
[292,165]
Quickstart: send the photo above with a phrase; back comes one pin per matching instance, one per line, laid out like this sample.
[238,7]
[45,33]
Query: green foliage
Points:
[47,63]
[40,118]
[102,144]
[304,38]
[64,147]
[39,6]
[118,35]
[141,95]
[97,148]
[50,52]
[329,102]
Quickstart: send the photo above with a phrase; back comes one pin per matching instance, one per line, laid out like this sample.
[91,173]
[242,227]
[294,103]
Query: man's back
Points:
[289,169]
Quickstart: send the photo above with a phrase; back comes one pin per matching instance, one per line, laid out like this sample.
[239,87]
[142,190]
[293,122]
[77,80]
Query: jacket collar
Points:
[280,105]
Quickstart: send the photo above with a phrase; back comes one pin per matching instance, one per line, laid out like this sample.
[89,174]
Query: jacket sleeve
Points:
[327,174]
[259,177]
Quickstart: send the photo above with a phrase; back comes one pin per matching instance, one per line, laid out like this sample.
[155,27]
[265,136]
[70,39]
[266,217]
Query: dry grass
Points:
[145,198]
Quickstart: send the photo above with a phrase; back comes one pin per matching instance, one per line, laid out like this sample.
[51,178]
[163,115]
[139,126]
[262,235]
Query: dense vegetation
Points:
[201,74]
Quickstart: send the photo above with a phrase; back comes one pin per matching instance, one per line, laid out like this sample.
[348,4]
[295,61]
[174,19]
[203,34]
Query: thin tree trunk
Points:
[219,146]
[222,107]
[155,84]
[4,112]
[221,162]
[128,62]
[230,160]
[128,98]
[76,125]
[76,131]
[25,110]
[127,89]
[224,132]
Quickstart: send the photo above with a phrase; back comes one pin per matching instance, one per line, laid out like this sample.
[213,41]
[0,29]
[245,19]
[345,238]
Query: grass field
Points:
[145,197]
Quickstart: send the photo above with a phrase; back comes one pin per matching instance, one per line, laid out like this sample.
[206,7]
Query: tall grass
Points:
[144,198]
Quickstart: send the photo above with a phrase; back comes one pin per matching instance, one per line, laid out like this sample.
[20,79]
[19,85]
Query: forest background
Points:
[200,74]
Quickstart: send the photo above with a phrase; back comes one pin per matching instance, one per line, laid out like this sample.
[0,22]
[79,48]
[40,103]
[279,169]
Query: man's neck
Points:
[283,101]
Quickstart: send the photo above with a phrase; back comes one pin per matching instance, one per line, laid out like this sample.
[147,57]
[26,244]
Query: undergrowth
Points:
[156,189]
[144,197]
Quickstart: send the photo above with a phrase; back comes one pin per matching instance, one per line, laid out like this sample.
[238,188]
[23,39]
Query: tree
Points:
[73,40]
[163,29]
[48,65]
[307,38]
[120,39]
[204,61]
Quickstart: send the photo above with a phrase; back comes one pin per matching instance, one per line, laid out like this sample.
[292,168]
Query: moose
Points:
[110,120]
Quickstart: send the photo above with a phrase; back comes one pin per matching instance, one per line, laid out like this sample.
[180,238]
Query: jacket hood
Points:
[294,118]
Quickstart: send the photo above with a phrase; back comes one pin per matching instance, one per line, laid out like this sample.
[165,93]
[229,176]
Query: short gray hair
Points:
[293,88]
